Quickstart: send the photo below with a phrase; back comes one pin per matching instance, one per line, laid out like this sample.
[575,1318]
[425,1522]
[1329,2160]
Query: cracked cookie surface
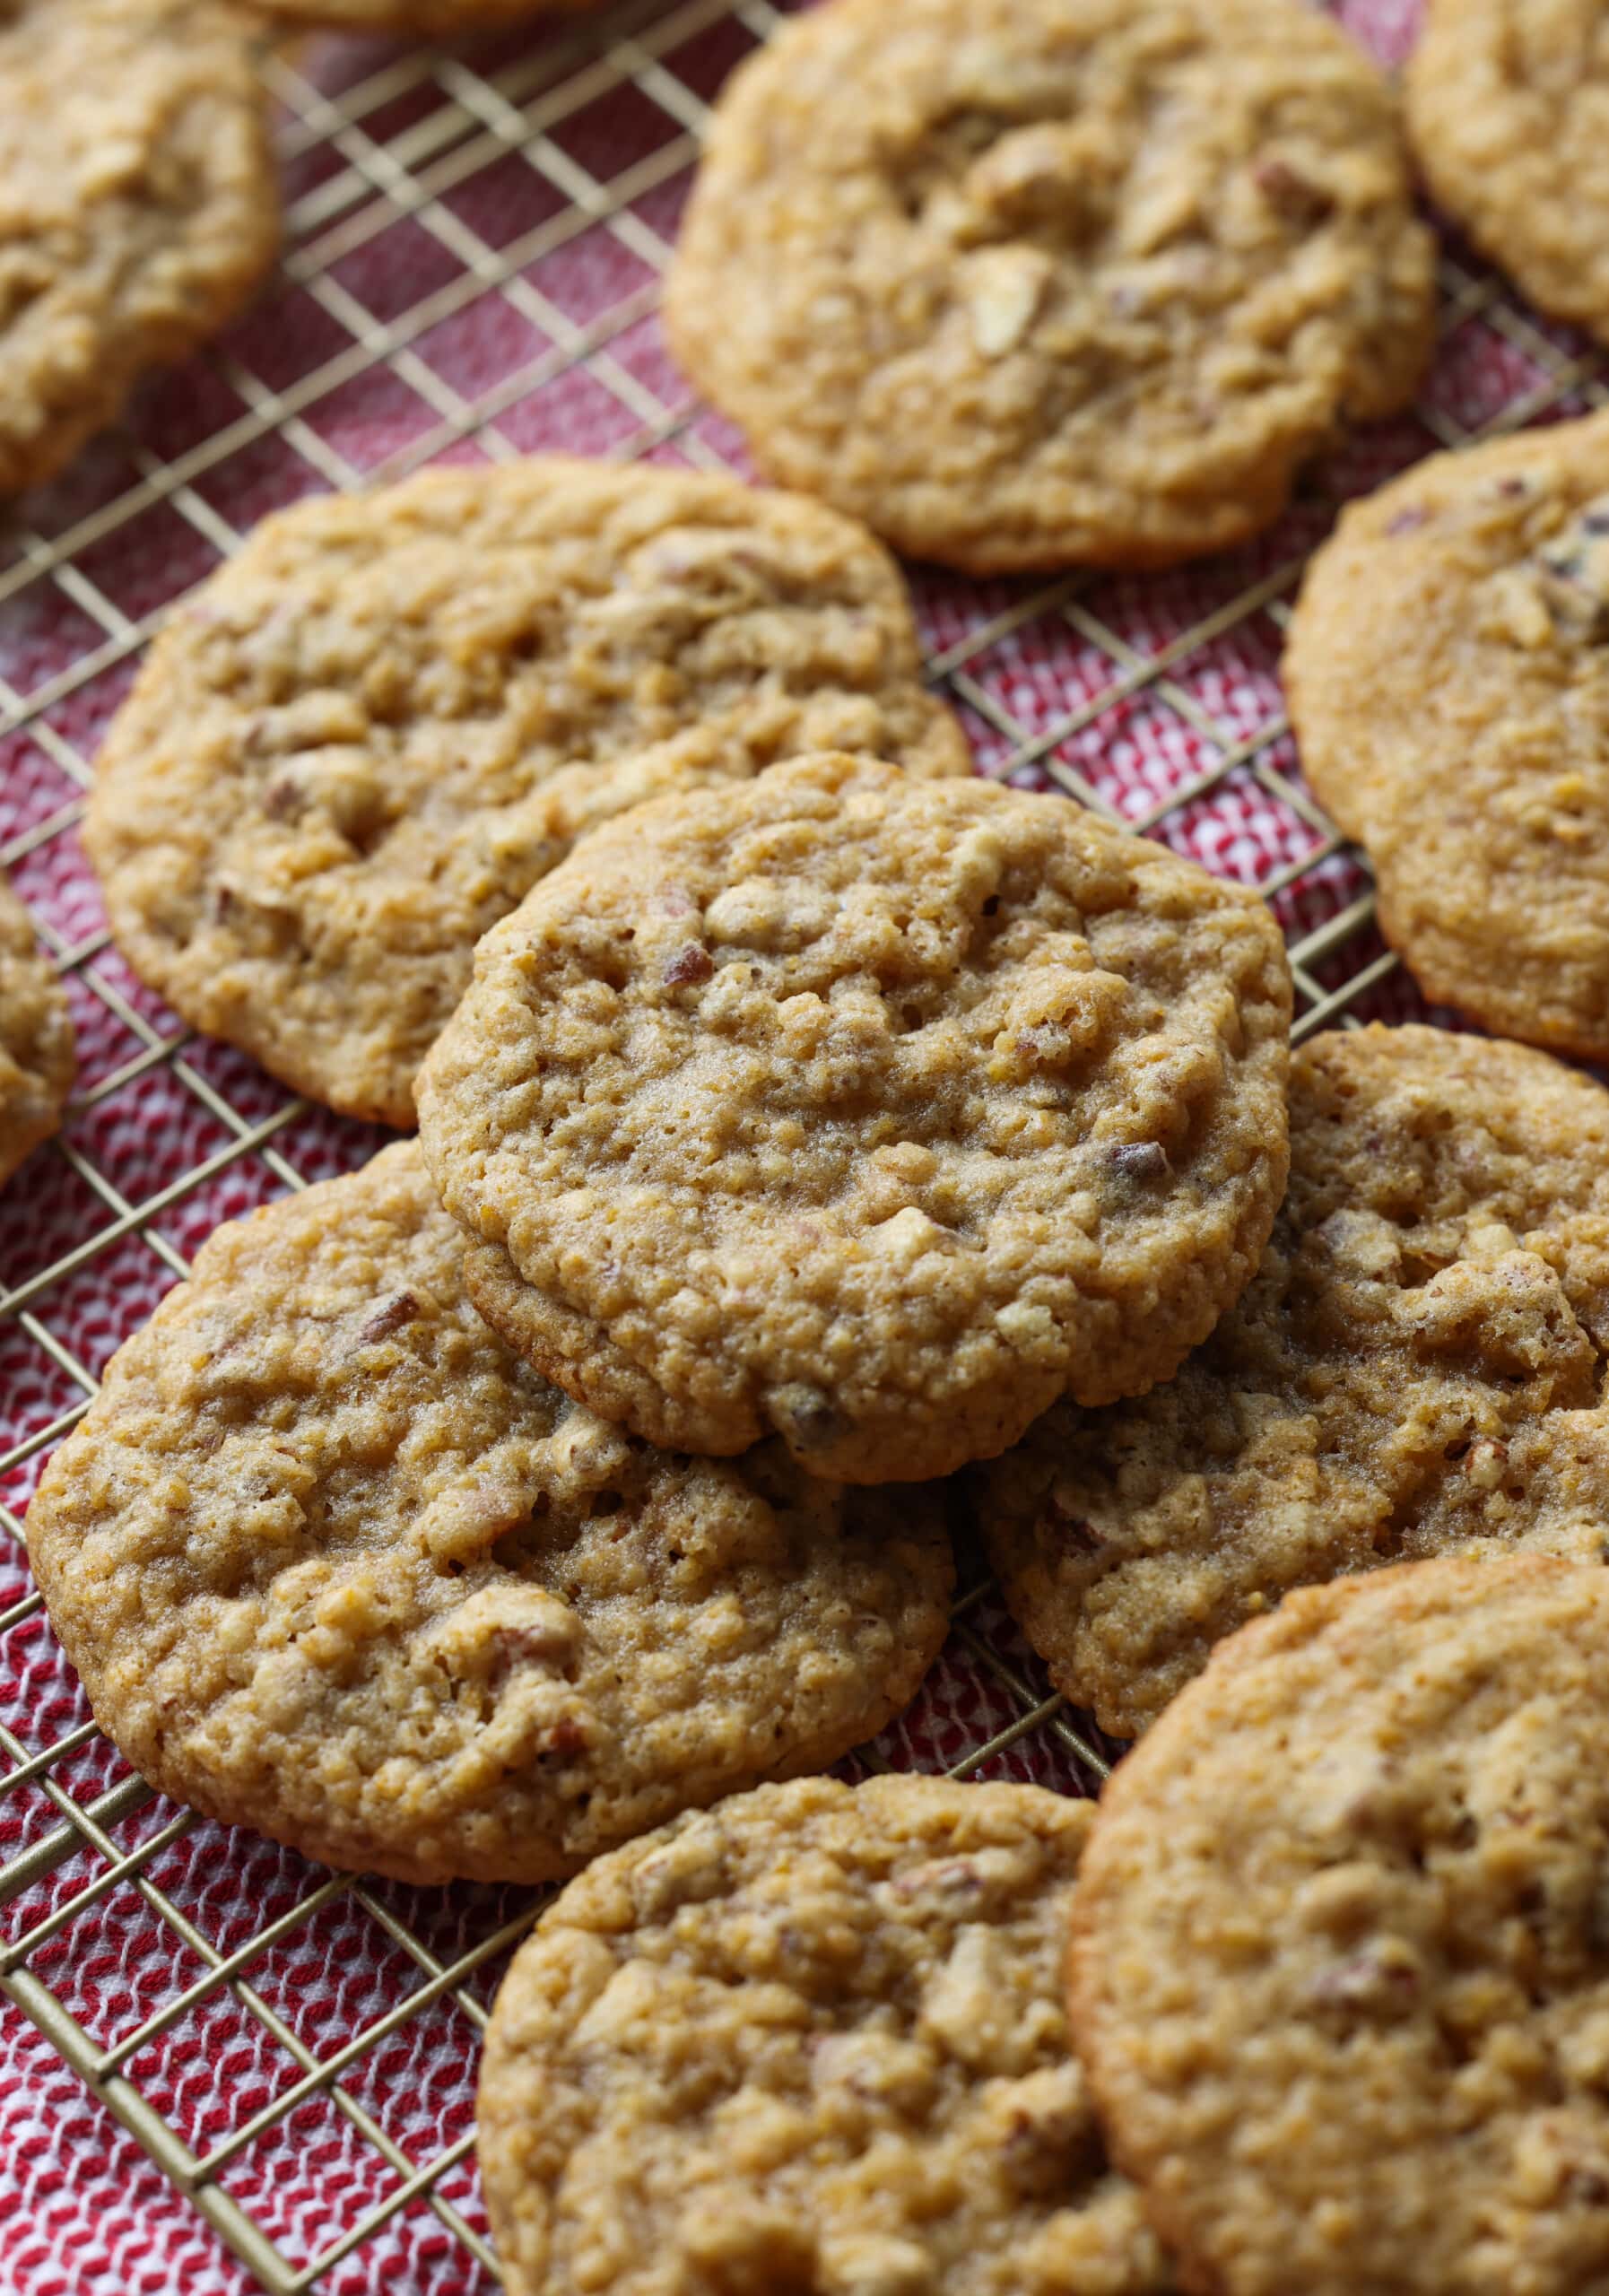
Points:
[1448,674]
[332,1563]
[371,732]
[812,2040]
[1507,109]
[138,206]
[38,1060]
[1079,281]
[877,1111]
[1416,1368]
[1340,1967]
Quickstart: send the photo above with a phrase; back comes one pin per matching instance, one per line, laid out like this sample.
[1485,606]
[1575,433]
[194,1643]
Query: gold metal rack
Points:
[591,130]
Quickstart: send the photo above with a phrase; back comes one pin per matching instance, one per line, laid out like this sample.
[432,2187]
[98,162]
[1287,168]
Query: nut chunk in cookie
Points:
[1034,282]
[1416,1369]
[363,742]
[38,1055]
[1339,1965]
[333,1563]
[1447,671]
[138,206]
[810,2043]
[874,1111]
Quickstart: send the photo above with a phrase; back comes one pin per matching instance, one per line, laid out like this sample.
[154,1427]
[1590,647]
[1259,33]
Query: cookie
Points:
[363,742]
[811,2040]
[139,206]
[873,1111]
[1066,280]
[333,1564]
[1416,1369]
[1340,1969]
[38,1061]
[1448,682]
[426,19]
[1508,101]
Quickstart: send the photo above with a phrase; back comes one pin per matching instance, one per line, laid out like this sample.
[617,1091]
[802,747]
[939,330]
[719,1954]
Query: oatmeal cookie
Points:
[875,1111]
[138,206]
[1447,671]
[419,19]
[369,733]
[812,2040]
[1029,283]
[332,1563]
[37,1056]
[1507,111]
[1416,1368]
[1340,1967]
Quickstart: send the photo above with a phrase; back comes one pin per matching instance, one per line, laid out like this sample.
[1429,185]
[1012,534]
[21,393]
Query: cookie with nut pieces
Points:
[1448,674]
[812,2038]
[1415,1369]
[38,1057]
[1026,283]
[874,1111]
[140,210]
[360,743]
[1340,1976]
[334,1564]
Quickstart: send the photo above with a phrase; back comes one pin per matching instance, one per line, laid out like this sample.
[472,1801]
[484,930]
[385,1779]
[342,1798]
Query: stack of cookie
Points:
[801,1135]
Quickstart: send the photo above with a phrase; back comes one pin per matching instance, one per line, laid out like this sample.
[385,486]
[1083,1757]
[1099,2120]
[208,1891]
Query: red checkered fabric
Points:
[475,242]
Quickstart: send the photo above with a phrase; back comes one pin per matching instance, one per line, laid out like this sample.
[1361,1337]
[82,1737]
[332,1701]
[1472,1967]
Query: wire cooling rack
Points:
[219,2065]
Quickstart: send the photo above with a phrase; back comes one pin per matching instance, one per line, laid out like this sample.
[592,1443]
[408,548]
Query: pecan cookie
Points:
[1026,282]
[38,1061]
[1416,1368]
[1447,671]
[1340,1969]
[811,2040]
[423,18]
[332,1563]
[369,733]
[138,208]
[875,1111]
[1507,111]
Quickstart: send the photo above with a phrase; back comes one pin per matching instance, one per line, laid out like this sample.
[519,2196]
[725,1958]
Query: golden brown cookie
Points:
[369,733]
[1030,283]
[1416,1369]
[1447,671]
[1340,1971]
[875,1111]
[426,19]
[332,1563]
[810,2043]
[1507,109]
[38,1061]
[138,206]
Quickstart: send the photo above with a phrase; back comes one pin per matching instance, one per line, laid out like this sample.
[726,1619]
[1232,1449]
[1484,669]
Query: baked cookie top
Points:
[1447,671]
[366,737]
[1079,281]
[436,18]
[1507,111]
[1340,1969]
[139,209]
[38,1061]
[332,1563]
[1415,1368]
[812,2039]
[877,1111]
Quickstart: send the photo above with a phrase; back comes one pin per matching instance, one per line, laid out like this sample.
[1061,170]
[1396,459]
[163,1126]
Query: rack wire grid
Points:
[219,2065]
